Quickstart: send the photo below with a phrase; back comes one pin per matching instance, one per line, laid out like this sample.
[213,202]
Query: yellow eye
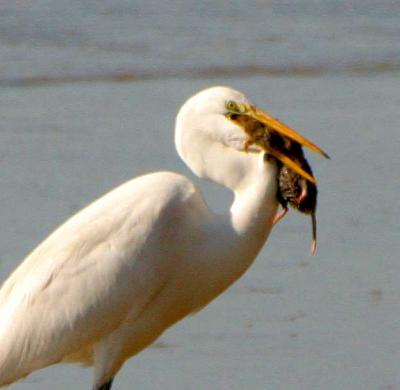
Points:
[235,108]
[231,106]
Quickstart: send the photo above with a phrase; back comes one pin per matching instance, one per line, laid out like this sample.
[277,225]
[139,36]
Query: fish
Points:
[296,187]
[296,191]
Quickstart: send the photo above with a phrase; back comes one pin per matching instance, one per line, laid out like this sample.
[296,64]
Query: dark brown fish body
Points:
[294,189]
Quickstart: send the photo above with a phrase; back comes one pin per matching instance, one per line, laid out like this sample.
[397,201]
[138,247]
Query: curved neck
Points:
[254,184]
[212,147]
[254,206]
[237,237]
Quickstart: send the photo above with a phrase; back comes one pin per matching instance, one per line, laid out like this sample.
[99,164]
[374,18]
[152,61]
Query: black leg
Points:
[105,386]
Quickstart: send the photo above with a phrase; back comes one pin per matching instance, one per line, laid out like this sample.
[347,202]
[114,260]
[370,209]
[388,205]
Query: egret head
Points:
[204,116]
[218,126]
[207,140]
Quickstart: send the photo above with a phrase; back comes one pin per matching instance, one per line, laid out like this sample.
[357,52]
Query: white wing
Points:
[80,283]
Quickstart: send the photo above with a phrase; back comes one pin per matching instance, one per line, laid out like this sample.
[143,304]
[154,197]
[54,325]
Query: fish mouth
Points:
[261,129]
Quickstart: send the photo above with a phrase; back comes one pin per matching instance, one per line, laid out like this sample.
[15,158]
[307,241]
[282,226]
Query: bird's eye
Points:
[236,108]
[231,106]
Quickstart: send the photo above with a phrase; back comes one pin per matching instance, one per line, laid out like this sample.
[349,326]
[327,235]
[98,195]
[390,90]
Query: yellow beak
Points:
[279,127]
[292,164]
[273,124]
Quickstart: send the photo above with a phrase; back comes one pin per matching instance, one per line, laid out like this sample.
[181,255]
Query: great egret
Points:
[115,276]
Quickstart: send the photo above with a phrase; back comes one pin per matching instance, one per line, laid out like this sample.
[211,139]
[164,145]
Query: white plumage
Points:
[112,278]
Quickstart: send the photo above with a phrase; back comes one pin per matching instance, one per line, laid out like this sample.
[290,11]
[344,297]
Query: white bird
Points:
[110,280]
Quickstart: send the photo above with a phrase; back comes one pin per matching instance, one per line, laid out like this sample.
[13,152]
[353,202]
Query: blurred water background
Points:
[88,95]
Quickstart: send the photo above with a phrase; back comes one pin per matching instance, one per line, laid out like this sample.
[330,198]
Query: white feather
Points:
[112,278]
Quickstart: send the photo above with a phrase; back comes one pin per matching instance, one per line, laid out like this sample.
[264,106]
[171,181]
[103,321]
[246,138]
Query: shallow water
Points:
[62,40]
[293,321]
